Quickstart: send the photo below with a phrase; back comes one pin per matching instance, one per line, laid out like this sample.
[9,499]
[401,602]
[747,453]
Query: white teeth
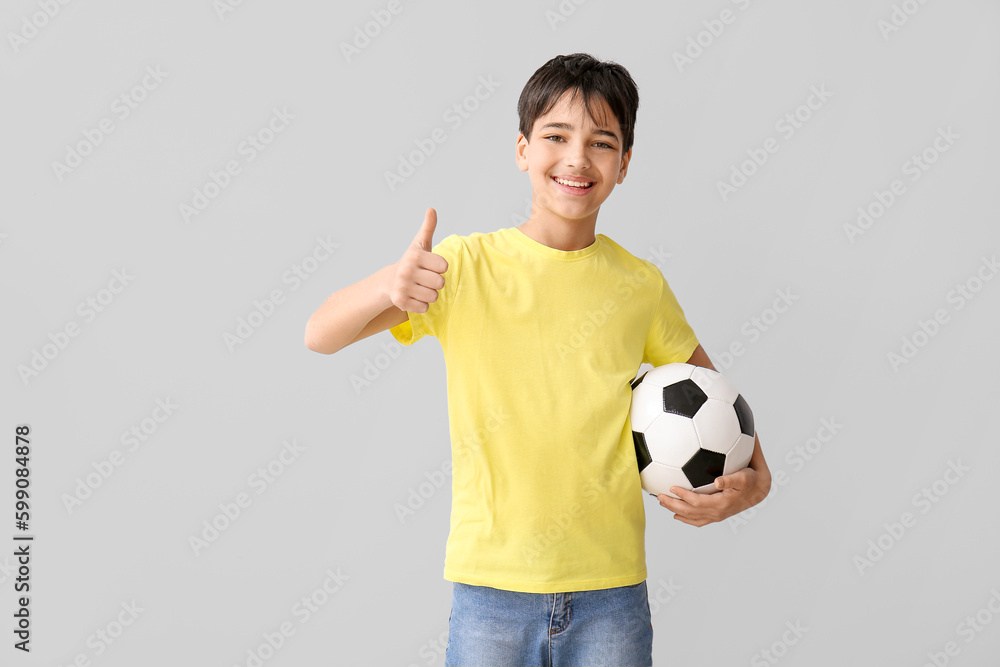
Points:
[572,184]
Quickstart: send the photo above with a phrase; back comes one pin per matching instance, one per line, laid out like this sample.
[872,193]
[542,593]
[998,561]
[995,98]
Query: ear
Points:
[519,152]
[624,167]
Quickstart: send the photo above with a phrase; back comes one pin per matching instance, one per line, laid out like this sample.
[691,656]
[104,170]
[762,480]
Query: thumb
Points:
[424,237]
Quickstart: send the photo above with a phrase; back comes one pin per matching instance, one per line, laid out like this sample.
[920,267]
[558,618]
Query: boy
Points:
[543,327]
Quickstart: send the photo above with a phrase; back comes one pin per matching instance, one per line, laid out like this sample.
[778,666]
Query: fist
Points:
[419,271]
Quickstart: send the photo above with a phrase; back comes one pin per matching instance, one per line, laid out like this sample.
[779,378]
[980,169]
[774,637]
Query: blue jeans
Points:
[490,626]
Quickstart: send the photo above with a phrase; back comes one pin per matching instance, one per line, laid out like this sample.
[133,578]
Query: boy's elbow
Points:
[314,344]
[763,485]
[310,344]
[317,348]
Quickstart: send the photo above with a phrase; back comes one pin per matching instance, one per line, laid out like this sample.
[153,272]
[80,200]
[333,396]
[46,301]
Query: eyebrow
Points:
[567,126]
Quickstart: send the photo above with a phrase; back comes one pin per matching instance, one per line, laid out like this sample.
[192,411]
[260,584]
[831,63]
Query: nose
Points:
[576,156]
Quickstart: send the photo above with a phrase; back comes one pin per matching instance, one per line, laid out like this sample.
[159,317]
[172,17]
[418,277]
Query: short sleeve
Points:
[670,338]
[435,320]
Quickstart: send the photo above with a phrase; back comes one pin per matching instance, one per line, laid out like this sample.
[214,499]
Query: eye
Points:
[603,144]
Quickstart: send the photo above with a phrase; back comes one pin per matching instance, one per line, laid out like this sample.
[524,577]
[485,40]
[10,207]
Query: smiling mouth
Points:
[576,185]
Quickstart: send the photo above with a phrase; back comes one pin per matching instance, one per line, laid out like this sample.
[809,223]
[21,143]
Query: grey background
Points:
[720,594]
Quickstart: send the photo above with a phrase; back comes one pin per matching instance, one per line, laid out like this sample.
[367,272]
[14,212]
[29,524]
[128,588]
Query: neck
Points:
[560,233]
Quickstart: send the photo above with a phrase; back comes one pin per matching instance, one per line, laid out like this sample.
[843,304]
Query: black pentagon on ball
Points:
[683,398]
[704,467]
[635,383]
[744,414]
[642,456]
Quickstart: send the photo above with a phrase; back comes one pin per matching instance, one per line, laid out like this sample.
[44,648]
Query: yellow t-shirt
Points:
[540,346]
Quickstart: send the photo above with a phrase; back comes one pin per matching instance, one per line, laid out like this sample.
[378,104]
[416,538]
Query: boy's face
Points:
[578,149]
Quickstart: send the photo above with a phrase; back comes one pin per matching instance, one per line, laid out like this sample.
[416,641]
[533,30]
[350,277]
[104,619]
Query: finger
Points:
[731,481]
[670,502]
[697,523]
[433,262]
[413,306]
[418,304]
[429,278]
[425,236]
[686,495]
[423,294]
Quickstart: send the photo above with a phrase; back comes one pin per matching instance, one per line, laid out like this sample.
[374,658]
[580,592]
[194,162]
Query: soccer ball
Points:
[689,425]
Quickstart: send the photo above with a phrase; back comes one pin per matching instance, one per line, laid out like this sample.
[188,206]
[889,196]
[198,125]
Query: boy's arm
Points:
[381,300]
[739,491]
[354,312]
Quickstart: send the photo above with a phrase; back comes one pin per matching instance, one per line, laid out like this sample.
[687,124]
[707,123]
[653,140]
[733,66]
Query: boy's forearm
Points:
[759,465]
[346,312]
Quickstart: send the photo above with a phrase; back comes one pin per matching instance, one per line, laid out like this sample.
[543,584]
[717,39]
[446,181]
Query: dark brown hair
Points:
[585,75]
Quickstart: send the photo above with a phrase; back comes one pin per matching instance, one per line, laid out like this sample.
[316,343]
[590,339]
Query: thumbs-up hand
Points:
[418,272]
